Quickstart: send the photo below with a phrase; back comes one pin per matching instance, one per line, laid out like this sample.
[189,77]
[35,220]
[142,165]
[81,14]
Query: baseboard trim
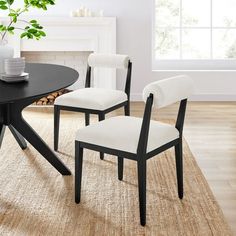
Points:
[214,97]
[197,97]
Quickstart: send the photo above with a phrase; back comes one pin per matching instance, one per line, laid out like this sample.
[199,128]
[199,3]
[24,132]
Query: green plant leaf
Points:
[42,33]
[10,2]
[14,19]
[37,26]
[10,28]
[3,7]
[33,21]
[32,31]
[3,27]
[23,35]
[29,35]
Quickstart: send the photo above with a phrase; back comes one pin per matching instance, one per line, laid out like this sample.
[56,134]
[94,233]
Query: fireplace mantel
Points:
[93,34]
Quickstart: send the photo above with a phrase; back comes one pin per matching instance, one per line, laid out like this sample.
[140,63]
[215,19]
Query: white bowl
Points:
[19,59]
[13,62]
[14,66]
[15,71]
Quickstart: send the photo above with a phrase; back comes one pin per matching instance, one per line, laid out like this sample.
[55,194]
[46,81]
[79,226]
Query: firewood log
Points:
[50,97]
[55,94]
[44,99]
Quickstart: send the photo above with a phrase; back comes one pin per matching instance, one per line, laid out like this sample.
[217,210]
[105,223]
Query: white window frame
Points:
[189,64]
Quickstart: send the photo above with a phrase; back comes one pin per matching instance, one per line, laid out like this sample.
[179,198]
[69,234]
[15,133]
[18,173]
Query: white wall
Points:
[134,29]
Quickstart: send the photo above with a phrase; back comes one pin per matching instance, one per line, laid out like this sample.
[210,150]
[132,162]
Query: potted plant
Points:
[31,30]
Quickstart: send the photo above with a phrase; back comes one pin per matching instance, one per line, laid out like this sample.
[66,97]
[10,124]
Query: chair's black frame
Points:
[141,157]
[101,114]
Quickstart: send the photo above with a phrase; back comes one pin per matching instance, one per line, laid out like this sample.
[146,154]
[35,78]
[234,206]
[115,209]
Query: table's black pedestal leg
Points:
[11,115]
[18,137]
[2,131]
[32,137]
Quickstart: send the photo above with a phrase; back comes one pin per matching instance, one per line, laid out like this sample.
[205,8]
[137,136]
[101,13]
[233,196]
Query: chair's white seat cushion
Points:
[92,98]
[122,133]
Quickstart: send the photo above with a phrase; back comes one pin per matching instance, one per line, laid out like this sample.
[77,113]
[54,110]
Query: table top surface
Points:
[43,79]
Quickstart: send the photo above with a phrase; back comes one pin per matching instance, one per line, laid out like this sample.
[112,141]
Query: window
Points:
[194,34]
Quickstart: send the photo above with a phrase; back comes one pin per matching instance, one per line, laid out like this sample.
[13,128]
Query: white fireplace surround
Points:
[67,34]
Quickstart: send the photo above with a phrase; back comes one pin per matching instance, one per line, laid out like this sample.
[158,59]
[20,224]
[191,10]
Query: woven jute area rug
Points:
[36,200]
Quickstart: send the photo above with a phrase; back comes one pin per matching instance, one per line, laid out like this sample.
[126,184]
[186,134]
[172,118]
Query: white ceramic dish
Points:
[14,79]
[14,66]
[14,71]
[15,59]
[15,76]
[14,63]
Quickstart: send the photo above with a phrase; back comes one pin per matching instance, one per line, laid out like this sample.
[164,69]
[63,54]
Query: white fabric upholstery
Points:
[169,91]
[92,98]
[108,60]
[122,133]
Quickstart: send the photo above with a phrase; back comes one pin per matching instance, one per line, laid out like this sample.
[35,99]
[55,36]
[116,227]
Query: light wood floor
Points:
[210,130]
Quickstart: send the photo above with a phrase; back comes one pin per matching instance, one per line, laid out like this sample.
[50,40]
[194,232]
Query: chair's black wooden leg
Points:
[2,131]
[87,119]
[21,141]
[179,168]
[78,170]
[127,109]
[142,165]
[101,117]
[120,167]
[56,126]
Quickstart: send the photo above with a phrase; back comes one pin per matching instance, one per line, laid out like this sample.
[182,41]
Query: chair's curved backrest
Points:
[108,60]
[169,91]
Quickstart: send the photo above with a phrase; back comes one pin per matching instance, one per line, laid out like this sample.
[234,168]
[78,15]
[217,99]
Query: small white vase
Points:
[6,52]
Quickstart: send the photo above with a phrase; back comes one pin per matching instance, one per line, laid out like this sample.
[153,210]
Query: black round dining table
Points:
[44,79]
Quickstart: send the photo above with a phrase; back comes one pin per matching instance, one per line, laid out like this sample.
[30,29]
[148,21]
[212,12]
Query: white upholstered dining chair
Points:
[139,139]
[98,101]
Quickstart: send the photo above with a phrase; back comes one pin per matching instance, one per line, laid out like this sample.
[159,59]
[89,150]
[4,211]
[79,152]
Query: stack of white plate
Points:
[14,78]
[14,70]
